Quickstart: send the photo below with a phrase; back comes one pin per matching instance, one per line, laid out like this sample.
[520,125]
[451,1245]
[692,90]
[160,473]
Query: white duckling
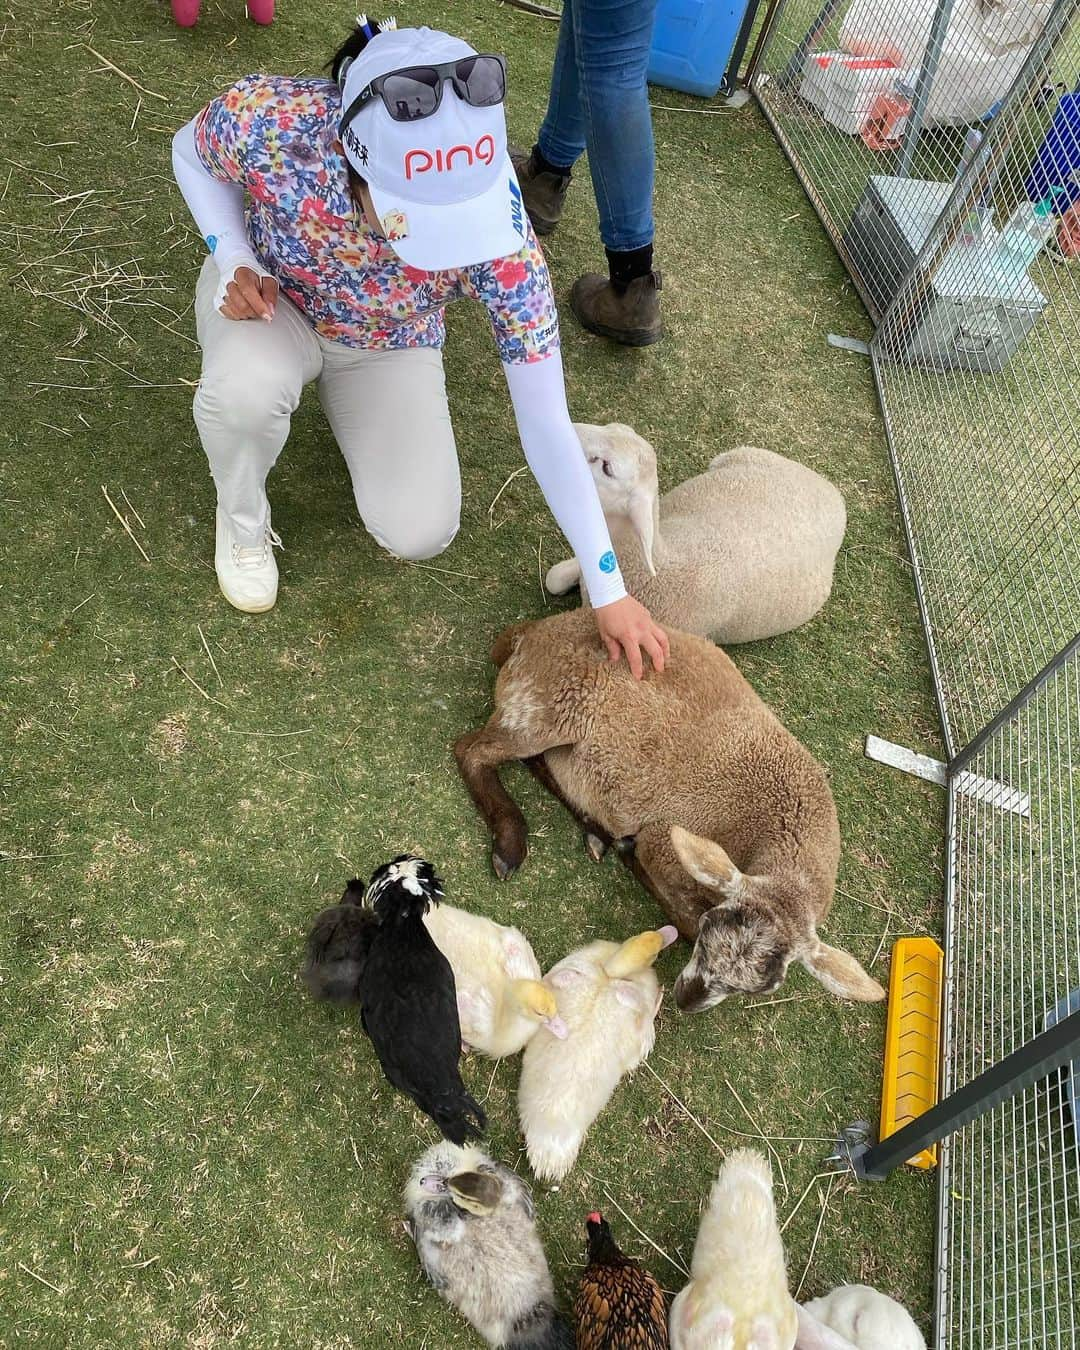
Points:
[501,1002]
[608,996]
[473,1224]
[856,1317]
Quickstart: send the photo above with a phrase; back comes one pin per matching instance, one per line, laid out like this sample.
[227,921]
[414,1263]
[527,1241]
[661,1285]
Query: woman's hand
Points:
[627,626]
[250,296]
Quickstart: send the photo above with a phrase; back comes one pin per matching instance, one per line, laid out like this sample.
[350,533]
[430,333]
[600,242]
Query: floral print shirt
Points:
[277,136]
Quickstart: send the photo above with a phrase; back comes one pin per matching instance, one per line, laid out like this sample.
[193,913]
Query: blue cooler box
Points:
[692,43]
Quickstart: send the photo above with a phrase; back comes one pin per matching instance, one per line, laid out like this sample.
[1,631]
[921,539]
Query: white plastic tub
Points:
[843,87]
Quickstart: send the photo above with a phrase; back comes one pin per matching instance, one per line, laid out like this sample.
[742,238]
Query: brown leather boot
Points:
[544,193]
[628,314]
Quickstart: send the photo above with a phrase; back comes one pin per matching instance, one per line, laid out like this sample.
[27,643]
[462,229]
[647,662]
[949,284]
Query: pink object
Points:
[1068,235]
[186,12]
[843,87]
[887,122]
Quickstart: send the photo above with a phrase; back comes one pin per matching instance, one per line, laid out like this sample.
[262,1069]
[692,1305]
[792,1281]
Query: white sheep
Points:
[743,551]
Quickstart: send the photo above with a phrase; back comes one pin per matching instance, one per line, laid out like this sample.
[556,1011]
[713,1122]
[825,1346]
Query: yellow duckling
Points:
[501,1002]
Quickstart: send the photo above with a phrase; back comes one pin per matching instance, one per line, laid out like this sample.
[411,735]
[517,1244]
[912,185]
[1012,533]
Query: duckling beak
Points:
[668,934]
[557,1027]
[433,1184]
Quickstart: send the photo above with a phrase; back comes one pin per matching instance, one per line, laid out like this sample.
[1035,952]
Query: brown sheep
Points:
[733,824]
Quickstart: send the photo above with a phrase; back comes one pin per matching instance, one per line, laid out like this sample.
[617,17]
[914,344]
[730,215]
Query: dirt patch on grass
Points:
[170,737]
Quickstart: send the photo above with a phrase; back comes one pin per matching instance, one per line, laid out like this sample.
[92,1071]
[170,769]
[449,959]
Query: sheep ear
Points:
[840,973]
[815,1335]
[706,862]
[639,509]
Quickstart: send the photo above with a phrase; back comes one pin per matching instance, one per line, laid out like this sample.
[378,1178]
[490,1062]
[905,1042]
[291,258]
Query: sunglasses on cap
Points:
[416,91]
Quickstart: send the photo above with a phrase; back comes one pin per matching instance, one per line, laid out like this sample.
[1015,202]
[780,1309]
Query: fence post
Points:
[963,757]
[927,75]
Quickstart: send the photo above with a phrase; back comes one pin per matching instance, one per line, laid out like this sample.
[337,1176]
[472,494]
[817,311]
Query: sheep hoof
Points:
[625,846]
[595,847]
[509,844]
[503,868]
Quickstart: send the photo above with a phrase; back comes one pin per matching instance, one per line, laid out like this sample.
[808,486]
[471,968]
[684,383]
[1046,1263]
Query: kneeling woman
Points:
[374,199]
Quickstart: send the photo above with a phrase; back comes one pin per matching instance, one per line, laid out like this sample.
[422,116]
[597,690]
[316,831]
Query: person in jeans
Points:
[373,199]
[599,101]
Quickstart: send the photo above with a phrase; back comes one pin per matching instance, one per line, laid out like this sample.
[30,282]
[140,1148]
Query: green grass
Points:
[193,1153]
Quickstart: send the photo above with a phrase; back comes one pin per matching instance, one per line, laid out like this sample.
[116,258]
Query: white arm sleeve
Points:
[553,452]
[217,208]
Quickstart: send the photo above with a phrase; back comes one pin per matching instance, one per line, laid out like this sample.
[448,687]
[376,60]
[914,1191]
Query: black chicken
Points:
[337,947]
[408,1001]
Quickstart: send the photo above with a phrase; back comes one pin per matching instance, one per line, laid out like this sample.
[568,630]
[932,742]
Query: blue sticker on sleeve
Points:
[608,562]
[211,242]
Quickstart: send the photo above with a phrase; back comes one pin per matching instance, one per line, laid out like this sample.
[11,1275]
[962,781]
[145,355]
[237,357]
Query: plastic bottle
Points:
[1025,232]
[972,141]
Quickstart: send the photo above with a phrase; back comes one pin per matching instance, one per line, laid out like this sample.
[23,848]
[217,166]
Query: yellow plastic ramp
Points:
[912,1052]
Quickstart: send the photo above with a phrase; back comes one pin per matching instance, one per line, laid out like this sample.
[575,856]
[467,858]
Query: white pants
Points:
[387,410]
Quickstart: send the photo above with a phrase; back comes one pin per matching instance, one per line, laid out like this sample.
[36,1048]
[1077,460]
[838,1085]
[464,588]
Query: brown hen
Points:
[619,1306]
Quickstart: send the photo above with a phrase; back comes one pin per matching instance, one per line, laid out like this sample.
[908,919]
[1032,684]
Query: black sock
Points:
[545,165]
[624,268]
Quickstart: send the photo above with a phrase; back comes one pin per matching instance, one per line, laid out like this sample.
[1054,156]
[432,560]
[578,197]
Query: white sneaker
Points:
[247,575]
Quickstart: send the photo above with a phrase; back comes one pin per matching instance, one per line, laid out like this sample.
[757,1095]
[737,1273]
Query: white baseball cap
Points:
[443,186]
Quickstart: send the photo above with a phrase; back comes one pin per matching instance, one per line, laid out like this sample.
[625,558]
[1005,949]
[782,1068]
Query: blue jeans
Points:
[599,101]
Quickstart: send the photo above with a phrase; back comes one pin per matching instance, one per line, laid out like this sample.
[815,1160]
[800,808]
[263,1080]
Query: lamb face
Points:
[623,466]
[746,942]
[620,462]
[739,950]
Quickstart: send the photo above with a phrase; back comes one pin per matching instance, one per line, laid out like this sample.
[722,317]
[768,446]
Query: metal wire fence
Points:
[978,366]
[940,142]
[1009,1244]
